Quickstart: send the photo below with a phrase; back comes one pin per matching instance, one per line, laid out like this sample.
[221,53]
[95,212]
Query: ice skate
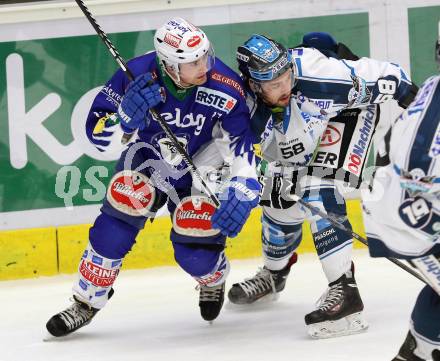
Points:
[339,312]
[264,283]
[211,301]
[406,352]
[77,315]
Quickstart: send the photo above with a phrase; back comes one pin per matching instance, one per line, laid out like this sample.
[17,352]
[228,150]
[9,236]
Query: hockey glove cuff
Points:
[236,202]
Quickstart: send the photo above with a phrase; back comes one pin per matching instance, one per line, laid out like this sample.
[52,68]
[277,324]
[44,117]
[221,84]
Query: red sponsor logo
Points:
[354,163]
[331,136]
[194,41]
[228,81]
[131,193]
[193,217]
[230,104]
[211,279]
[172,40]
[97,275]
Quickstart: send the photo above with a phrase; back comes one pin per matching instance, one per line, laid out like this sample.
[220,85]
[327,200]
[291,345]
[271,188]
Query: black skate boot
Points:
[211,301]
[265,282]
[75,316]
[339,310]
[406,352]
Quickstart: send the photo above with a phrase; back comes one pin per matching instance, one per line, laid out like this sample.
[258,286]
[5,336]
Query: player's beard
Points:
[282,101]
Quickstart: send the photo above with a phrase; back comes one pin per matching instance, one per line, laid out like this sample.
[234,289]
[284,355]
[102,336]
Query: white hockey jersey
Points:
[323,87]
[402,211]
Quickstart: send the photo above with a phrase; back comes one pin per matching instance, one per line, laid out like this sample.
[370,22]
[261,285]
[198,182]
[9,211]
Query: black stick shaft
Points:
[335,222]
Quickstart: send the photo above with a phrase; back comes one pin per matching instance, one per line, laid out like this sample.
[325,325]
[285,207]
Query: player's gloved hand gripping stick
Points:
[155,115]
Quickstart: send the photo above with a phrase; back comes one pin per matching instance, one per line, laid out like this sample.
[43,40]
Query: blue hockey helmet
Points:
[263,59]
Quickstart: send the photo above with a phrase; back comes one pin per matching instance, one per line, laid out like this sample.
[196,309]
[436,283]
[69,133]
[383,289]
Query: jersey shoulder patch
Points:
[223,78]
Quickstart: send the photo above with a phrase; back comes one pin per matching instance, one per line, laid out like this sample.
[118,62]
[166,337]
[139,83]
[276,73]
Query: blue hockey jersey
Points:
[215,110]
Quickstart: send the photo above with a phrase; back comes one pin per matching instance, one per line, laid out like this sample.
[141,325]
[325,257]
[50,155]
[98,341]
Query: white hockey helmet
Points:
[178,41]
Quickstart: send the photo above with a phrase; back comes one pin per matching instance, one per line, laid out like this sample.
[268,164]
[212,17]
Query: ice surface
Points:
[154,316]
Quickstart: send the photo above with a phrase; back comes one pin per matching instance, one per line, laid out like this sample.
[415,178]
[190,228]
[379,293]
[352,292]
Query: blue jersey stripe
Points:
[322,90]
[298,66]
[322,79]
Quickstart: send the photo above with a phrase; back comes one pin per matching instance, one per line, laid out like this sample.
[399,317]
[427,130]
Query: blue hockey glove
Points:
[140,96]
[236,203]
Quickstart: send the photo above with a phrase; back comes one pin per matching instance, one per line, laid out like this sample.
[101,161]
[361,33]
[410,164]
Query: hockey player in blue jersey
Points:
[203,102]
[402,211]
[293,94]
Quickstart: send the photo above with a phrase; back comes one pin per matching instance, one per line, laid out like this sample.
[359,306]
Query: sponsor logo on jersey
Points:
[97,275]
[192,217]
[215,99]
[169,151]
[321,235]
[323,104]
[327,159]
[130,192]
[111,96]
[327,154]
[228,81]
[330,137]
[194,41]
[172,40]
[360,141]
[419,103]
[188,120]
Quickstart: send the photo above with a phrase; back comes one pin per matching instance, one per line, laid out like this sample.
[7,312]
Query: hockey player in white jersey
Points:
[402,211]
[292,95]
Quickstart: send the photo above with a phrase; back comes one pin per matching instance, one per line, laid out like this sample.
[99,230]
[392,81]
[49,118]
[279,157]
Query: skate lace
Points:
[209,294]
[76,315]
[261,282]
[330,297]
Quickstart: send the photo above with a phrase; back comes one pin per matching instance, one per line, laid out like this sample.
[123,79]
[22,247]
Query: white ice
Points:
[154,316]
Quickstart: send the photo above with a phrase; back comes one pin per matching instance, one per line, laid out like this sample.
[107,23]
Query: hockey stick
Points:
[154,114]
[333,219]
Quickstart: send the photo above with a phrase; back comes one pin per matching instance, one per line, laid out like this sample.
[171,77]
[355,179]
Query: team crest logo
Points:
[169,151]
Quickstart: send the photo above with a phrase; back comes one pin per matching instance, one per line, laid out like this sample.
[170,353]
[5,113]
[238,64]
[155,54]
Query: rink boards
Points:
[54,250]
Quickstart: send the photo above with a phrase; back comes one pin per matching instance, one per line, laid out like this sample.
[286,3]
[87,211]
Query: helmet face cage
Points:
[178,42]
[263,59]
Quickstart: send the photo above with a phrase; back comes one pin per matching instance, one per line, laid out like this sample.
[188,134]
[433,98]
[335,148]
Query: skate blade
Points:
[349,325]
[270,298]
